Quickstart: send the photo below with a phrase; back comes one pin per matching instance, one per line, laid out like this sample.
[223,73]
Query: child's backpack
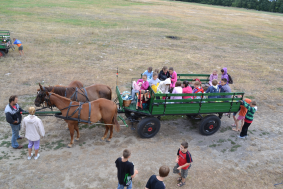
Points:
[230,79]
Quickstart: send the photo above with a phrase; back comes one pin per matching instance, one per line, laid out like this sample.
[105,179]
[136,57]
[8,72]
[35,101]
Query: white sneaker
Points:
[29,157]
[36,157]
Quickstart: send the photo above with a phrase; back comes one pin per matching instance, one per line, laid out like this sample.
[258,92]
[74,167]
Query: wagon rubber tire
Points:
[6,51]
[2,53]
[148,127]
[209,125]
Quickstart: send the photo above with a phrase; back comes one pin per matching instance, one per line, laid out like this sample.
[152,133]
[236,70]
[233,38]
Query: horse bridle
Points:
[47,100]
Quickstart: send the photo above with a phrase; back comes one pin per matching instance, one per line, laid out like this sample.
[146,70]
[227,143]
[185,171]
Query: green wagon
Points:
[149,119]
[5,42]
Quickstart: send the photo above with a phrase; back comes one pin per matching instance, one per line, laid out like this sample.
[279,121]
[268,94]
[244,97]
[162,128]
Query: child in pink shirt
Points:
[213,76]
[143,84]
[187,89]
[177,90]
[173,76]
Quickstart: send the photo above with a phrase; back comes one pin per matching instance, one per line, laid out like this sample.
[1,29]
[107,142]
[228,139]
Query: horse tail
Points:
[115,121]
[110,97]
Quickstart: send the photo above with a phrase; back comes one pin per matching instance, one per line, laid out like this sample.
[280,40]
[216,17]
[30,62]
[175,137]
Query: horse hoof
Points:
[102,139]
[77,139]
[108,140]
[69,146]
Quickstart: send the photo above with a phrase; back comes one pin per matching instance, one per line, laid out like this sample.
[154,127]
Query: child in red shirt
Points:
[184,160]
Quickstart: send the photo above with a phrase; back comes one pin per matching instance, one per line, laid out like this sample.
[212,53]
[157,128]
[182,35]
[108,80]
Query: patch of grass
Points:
[250,97]
[280,89]
[5,144]
[2,118]
[5,155]
[212,146]
[232,142]
[221,141]
[224,150]
[234,148]
[251,132]
[92,126]
[200,141]
[59,145]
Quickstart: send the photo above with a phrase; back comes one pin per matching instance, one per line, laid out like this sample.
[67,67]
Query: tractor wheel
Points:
[209,125]
[148,127]
[2,53]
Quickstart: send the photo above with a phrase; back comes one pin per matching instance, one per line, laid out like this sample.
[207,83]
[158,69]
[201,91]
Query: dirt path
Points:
[220,161]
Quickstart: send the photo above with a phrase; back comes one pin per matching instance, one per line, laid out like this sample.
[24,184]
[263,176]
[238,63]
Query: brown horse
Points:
[87,94]
[101,109]
[72,84]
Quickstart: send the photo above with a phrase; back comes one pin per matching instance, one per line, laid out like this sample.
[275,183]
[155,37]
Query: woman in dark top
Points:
[164,74]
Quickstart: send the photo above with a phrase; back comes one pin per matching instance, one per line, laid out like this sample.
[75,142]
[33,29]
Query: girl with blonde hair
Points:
[33,128]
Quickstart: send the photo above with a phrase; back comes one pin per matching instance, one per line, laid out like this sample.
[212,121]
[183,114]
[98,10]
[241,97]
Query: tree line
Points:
[261,5]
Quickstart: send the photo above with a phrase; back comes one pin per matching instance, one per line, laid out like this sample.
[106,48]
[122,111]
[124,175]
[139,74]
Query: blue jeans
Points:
[15,135]
[120,186]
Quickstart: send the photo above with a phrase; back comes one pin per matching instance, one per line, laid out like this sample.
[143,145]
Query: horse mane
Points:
[60,90]
[57,95]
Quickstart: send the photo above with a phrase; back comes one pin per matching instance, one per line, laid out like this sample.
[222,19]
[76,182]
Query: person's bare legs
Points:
[36,152]
[237,125]
[29,152]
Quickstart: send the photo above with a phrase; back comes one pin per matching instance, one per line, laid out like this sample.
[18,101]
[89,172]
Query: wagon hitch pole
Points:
[123,120]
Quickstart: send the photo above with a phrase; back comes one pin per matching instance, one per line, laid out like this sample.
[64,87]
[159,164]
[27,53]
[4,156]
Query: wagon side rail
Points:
[203,105]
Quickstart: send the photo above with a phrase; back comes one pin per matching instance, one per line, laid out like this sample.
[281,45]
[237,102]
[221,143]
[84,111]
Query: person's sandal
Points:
[181,184]
[179,179]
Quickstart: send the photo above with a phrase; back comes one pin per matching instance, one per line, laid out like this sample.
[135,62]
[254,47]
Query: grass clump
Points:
[221,141]
[5,144]
[212,146]
[234,148]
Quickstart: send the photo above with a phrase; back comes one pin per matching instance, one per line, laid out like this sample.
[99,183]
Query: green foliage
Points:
[234,148]
[261,5]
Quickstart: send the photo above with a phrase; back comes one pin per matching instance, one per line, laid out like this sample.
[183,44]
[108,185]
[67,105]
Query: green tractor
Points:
[5,42]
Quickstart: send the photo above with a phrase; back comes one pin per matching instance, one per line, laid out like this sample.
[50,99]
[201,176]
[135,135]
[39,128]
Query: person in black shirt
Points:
[156,182]
[164,74]
[125,170]
[13,114]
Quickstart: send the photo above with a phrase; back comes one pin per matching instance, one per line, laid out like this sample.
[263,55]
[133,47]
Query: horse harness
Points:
[69,117]
[75,94]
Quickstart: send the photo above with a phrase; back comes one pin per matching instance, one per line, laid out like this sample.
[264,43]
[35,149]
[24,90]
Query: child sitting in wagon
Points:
[212,77]
[154,82]
[197,89]
[213,89]
[187,89]
[173,76]
[177,90]
[164,87]
[148,73]
[141,84]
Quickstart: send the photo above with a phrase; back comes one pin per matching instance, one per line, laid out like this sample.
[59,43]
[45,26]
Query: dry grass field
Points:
[87,40]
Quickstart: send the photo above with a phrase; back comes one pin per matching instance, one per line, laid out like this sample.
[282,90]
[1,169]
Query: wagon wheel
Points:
[2,53]
[209,125]
[6,51]
[148,127]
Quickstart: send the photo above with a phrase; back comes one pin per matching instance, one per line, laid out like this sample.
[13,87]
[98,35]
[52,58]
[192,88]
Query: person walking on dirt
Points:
[14,117]
[33,128]
[20,45]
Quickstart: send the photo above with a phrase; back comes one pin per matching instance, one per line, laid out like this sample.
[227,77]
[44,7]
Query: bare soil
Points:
[66,43]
